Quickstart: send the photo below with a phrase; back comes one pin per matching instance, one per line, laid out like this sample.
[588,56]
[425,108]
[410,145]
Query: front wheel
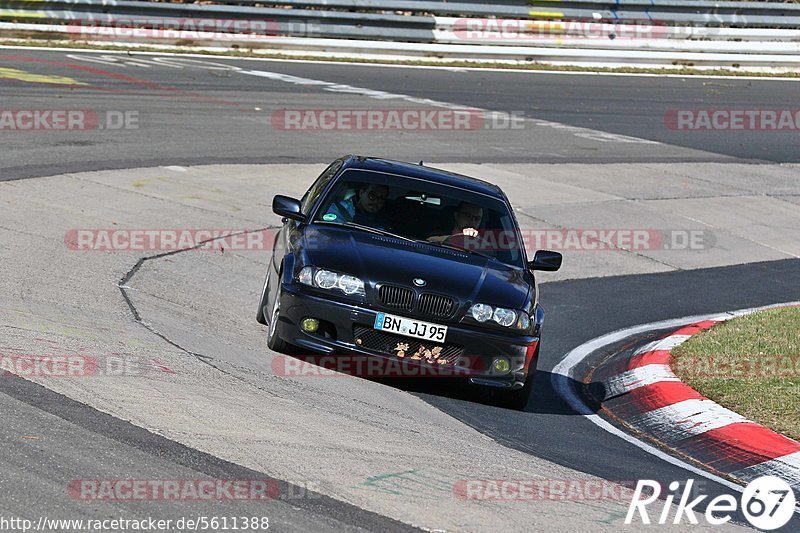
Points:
[516,399]
[260,318]
[274,341]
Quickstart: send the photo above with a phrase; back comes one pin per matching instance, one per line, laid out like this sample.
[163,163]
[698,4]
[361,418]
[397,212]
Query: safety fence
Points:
[666,32]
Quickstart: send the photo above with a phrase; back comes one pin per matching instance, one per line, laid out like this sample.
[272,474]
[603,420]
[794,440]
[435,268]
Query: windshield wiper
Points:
[460,249]
[377,231]
[369,229]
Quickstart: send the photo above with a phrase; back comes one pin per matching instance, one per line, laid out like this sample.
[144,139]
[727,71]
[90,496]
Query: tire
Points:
[260,313]
[516,399]
[274,341]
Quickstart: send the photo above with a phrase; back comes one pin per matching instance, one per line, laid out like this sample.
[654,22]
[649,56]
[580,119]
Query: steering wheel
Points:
[462,241]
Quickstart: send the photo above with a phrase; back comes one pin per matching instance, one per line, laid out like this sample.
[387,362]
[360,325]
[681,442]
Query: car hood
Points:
[384,259]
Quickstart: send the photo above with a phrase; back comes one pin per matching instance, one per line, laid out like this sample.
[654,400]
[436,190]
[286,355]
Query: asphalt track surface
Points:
[197,114]
[192,116]
[94,445]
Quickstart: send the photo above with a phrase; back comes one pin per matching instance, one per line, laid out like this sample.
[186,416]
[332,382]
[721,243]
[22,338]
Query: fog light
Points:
[310,325]
[501,365]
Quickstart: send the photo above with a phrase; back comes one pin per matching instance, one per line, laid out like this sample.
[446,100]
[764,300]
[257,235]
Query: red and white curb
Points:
[648,397]
[567,374]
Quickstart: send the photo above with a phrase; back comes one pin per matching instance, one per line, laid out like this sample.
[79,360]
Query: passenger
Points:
[467,218]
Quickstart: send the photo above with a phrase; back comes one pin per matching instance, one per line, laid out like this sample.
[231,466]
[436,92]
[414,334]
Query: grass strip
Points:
[749,364]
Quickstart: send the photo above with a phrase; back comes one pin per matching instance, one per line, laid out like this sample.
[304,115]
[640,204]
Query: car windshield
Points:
[423,211]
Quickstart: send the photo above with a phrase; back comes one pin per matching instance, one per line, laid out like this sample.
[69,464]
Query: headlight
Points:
[328,280]
[306,276]
[325,279]
[351,285]
[505,317]
[481,312]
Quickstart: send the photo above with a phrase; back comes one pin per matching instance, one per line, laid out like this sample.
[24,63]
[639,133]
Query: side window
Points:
[313,194]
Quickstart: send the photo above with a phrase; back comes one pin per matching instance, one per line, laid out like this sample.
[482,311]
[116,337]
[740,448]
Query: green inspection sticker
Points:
[329,217]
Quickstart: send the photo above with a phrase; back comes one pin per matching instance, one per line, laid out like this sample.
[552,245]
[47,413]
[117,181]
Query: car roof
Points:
[434,175]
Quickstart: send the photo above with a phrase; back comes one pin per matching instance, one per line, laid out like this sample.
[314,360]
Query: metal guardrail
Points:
[383,50]
[326,24]
[695,12]
[692,31]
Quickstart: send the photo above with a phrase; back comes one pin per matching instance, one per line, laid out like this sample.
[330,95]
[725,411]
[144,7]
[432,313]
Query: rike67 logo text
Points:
[768,503]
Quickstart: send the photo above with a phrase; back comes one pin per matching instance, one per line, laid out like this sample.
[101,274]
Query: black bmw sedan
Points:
[410,268]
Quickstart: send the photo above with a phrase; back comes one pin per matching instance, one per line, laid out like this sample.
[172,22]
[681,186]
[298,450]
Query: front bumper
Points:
[345,323]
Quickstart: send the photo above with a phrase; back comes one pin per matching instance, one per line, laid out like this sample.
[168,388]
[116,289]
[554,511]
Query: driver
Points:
[467,217]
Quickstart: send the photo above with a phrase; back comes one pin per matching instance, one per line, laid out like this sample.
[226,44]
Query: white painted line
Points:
[593,134]
[792,460]
[786,467]
[411,66]
[638,377]
[667,343]
[563,377]
[586,133]
[681,420]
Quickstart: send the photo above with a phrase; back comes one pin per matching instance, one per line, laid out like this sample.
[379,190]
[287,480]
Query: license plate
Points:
[410,328]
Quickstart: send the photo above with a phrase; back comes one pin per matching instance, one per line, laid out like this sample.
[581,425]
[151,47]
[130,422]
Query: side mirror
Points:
[287,207]
[545,260]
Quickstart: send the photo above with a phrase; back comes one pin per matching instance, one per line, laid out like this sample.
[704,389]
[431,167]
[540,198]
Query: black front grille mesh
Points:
[435,305]
[397,297]
[385,343]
